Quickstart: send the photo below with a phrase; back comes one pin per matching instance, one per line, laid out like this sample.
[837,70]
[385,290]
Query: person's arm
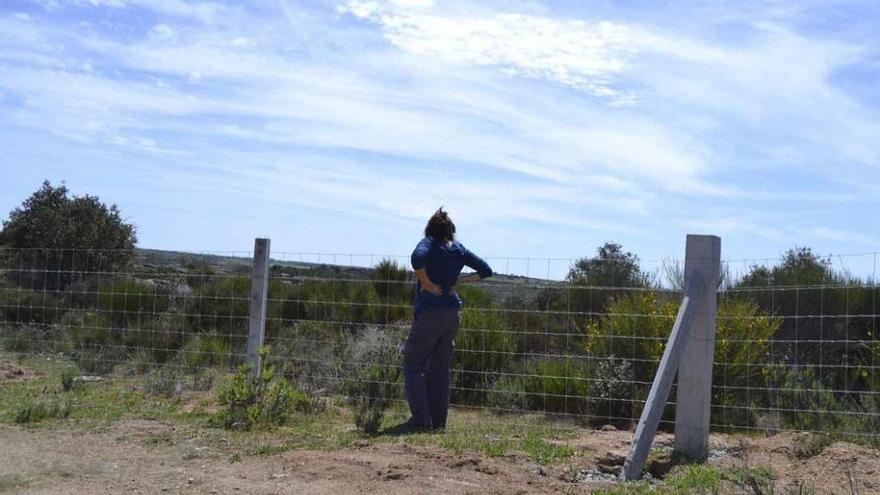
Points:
[473,261]
[419,258]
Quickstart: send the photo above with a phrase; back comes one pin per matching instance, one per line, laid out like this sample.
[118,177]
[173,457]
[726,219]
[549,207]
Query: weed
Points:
[40,411]
[68,379]
[250,399]
[544,452]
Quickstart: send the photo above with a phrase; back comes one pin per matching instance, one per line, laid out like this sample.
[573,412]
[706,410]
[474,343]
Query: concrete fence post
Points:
[258,303]
[694,393]
[652,413]
[689,354]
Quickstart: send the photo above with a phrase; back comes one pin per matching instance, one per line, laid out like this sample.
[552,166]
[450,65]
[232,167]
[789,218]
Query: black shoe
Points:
[408,428]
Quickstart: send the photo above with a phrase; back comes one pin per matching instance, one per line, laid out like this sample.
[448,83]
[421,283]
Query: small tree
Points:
[596,281]
[53,235]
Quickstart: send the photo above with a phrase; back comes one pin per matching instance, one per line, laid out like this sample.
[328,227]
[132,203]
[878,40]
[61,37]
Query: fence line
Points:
[796,354]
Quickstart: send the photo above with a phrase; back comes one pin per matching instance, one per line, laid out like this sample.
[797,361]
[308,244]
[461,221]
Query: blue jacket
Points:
[443,263]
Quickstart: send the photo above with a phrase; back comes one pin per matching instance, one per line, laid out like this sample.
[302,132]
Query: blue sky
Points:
[546,128]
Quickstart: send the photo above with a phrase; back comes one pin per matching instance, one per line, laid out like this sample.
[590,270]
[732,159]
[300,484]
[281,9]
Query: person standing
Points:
[438,260]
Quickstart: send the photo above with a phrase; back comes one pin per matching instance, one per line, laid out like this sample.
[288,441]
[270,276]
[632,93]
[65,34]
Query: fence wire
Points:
[795,350]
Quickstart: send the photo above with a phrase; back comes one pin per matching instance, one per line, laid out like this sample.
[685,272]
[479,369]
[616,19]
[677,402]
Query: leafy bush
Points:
[371,377]
[804,402]
[637,328]
[41,411]
[75,235]
[251,400]
[205,350]
[221,306]
[26,307]
[129,302]
[311,354]
[68,379]
[484,351]
[390,282]
[551,385]
[611,391]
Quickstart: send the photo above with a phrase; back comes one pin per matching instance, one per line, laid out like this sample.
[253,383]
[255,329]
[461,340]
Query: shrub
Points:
[310,355]
[373,364]
[611,391]
[250,400]
[130,302]
[40,411]
[166,381]
[484,351]
[26,307]
[550,385]
[637,328]
[742,353]
[80,234]
[202,351]
[68,379]
[390,283]
[221,306]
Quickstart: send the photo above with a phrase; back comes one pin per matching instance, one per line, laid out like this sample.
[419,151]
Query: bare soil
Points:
[10,372]
[156,457]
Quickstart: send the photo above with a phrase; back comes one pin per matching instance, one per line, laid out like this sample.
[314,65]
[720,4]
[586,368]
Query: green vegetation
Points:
[251,399]
[62,237]
[587,347]
[372,373]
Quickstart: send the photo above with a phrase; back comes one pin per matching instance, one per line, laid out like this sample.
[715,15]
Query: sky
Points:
[544,128]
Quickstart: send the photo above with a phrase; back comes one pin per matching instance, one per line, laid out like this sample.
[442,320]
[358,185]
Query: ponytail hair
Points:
[440,226]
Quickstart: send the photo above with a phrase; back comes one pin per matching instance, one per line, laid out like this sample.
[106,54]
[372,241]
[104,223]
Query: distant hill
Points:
[502,286]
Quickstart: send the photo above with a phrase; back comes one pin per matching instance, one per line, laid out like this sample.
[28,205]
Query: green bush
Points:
[129,302]
[373,364]
[80,235]
[205,350]
[611,391]
[637,328]
[484,351]
[394,289]
[68,379]
[221,306]
[251,400]
[804,402]
[166,381]
[550,385]
[20,306]
[311,355]
[41,411]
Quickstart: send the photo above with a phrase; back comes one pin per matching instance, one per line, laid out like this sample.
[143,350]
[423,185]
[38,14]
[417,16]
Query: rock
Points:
[88,378]
[538,469]
[659,468]
[609,428]
[490,470]
[457,463]
[610,463]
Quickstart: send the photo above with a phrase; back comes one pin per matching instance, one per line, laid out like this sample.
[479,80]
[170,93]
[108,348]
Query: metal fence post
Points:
[258,303]
[694,393]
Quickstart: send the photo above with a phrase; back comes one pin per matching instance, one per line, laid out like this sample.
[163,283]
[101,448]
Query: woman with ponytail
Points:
[438,260]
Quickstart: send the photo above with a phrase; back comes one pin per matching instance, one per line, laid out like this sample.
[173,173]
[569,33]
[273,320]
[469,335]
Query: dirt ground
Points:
[155,457]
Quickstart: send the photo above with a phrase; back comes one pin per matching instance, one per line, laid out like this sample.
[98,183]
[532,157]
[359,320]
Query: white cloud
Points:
[579,54]
[434,96]
[163,32]
[107,3]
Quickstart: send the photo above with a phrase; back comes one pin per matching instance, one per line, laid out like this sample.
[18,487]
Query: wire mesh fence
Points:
[796,346]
